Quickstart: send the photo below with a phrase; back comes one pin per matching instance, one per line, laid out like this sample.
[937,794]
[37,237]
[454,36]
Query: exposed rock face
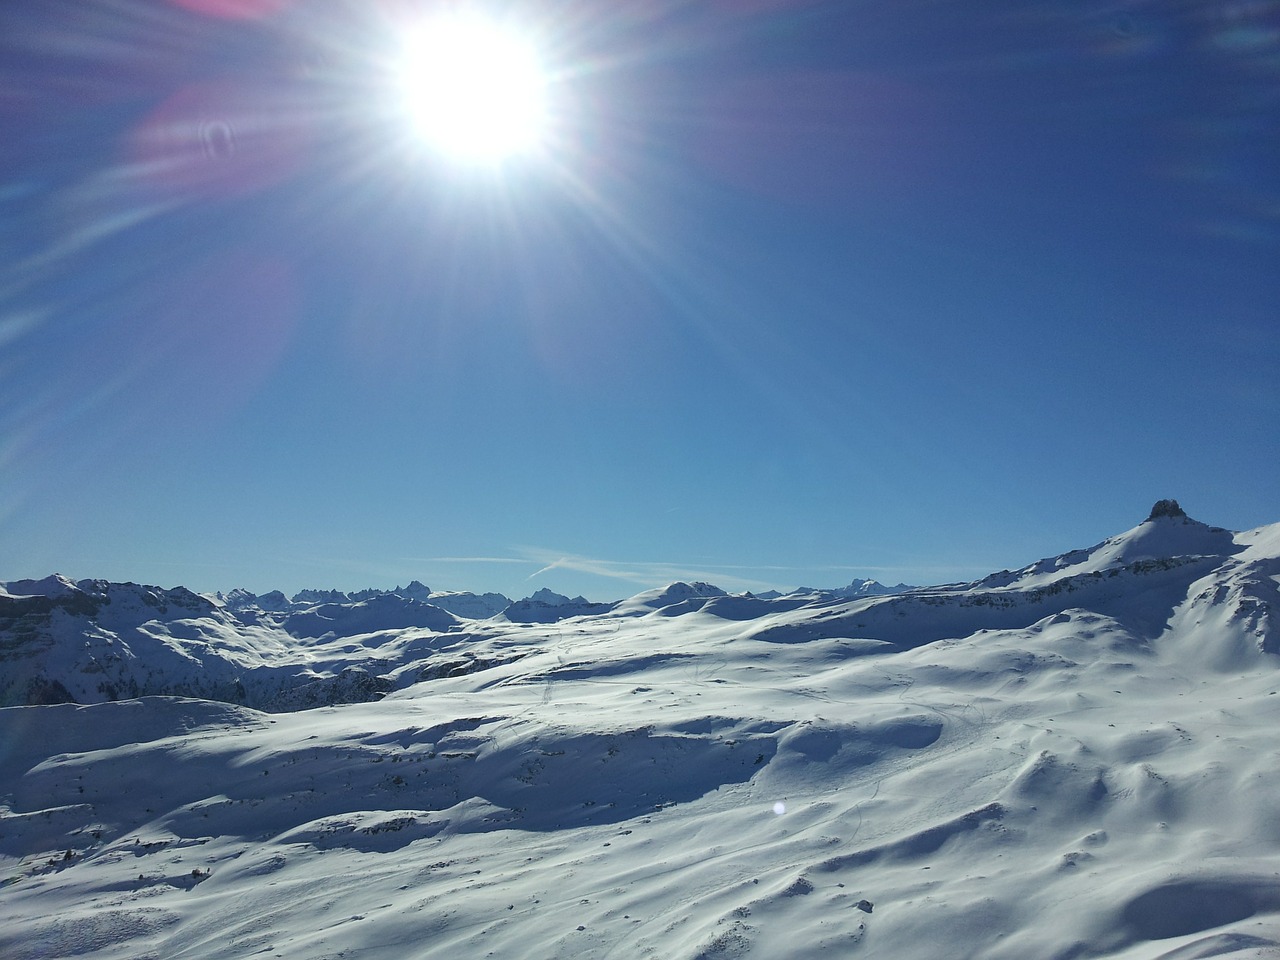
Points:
[1166,508]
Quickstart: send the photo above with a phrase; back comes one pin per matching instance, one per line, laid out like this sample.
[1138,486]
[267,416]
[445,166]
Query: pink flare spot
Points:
[218,139]
[234,9]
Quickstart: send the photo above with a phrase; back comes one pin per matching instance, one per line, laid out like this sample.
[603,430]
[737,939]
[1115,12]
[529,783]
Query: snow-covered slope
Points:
[1073,760]
[1140,577]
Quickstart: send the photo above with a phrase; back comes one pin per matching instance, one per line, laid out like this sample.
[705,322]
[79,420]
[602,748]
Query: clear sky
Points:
[788,293]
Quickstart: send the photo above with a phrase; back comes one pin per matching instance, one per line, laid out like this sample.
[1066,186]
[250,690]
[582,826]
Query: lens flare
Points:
[474,88]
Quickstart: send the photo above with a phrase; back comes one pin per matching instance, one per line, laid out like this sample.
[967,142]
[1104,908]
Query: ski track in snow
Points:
[1074,760]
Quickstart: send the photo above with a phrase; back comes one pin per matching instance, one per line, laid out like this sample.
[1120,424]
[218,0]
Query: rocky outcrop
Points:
[1167,508]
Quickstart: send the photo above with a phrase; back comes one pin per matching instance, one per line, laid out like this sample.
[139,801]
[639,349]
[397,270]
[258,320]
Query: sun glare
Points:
[474,89]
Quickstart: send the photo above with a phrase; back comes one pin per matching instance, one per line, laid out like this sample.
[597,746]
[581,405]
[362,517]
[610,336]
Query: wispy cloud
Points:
[729,575]
[645,573]
[515,560]
[562,563]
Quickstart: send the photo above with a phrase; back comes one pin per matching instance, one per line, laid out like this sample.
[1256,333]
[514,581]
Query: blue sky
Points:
[801,292]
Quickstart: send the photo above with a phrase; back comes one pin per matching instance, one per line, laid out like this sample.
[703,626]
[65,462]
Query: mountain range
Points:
[1071,759]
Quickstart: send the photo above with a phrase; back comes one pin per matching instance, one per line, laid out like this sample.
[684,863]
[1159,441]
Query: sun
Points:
[474,88]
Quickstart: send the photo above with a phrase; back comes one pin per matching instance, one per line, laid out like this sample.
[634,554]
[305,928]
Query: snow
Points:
[1072,760]
[51,586]
[460,603]
[1161,538]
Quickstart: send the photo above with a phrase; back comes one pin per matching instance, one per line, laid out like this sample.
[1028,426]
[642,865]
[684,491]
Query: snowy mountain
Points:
[869,588]
[546,606]
[416,590]
[856,590]
[471,606]
[553,599]
[1071,760]
[94,641]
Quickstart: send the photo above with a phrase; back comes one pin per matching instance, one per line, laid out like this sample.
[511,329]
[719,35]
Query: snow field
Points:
[1091,773]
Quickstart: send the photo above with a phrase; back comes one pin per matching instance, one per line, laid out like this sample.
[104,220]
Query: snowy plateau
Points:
[1076,759]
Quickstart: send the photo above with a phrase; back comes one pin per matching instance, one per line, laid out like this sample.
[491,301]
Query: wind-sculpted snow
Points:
[1075,761]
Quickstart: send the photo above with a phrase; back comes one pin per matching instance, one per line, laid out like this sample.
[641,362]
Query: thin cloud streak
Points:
[466,560]
[730,576]
[644,573]
[570,561]
[557,565]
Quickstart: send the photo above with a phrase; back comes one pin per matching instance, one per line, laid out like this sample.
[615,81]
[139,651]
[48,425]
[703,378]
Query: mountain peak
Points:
[54,585]
[1166,508]
[550,598]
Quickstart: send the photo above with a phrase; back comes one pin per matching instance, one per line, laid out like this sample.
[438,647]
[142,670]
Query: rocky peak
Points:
[1167,508]
[550,598]
[416,590]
